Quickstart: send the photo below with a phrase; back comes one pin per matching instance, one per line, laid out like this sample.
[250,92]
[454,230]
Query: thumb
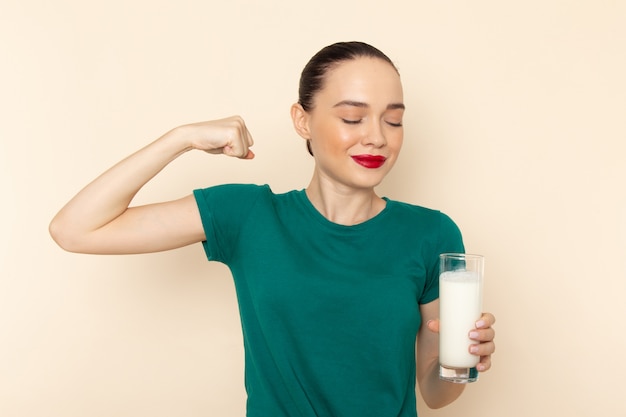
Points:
[433,325]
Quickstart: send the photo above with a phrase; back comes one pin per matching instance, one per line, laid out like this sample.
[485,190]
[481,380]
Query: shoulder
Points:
[235,189]
[231,192]
[238,198]
[417,213]
[426,220]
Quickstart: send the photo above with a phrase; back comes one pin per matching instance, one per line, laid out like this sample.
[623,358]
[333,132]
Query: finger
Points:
[484,364]
[236,140]
[482,335]
[486,320]
[482,349]
[248,137]
[241,152]
[237,144]
[249,155]
[245,133]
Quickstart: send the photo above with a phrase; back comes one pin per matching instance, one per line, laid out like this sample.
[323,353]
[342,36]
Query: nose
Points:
[375,135]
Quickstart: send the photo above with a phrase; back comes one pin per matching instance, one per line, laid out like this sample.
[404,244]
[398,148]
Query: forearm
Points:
[436,392]
[109,195]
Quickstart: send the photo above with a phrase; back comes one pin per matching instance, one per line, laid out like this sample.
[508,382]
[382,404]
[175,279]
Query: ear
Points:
[300,120]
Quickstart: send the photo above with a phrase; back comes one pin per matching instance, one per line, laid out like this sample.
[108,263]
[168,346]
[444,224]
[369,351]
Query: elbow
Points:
[435,404]
[437,394]
[61,237]
[56,233]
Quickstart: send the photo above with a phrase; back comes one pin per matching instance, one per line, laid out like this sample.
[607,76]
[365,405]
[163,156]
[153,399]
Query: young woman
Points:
[337,287]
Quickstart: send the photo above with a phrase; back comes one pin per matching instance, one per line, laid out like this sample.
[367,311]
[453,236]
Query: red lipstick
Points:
[369,161]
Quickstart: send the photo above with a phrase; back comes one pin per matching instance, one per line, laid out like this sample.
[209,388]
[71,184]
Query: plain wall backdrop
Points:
[515,127]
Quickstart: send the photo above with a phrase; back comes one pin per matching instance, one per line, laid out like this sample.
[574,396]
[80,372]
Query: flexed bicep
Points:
[99,218]
[141,229]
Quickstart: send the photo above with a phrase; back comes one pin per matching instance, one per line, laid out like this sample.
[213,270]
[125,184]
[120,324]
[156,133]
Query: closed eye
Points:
[399,124]
[352,122]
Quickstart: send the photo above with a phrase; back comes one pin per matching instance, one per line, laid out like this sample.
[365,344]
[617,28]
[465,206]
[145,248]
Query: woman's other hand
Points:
[484,334]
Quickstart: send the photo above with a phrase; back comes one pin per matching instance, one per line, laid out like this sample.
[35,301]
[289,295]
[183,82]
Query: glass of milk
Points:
[460,306]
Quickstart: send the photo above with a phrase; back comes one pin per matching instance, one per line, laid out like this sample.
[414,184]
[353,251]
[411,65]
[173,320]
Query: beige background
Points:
[515,127]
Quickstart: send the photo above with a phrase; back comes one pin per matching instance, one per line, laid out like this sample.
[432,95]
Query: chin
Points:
[367,183]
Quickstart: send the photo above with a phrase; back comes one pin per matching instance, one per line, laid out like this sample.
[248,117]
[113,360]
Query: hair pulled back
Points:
[312,77]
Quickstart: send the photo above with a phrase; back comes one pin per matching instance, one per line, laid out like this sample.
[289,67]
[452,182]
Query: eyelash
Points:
[356,122]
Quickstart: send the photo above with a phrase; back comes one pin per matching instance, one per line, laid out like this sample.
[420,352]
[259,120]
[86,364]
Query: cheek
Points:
[335,135]
[349,135]
[395,138]
[400,142]
[394,144]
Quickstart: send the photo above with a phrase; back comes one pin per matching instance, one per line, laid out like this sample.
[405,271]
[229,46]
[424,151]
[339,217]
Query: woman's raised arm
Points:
[99,220]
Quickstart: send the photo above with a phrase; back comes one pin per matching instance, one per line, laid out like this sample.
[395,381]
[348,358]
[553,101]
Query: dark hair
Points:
[313,74]
[312,77]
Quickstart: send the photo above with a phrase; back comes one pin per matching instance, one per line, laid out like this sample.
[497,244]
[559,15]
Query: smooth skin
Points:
[358,112]
[99,220]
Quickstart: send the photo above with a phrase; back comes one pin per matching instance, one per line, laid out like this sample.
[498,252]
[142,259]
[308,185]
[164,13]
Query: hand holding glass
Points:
[460,306]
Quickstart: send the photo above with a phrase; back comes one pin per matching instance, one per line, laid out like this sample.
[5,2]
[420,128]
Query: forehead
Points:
[365,79]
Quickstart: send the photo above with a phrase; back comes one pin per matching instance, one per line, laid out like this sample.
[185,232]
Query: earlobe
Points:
[300,119]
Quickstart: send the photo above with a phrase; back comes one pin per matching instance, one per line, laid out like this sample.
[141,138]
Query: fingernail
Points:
[473,349]
[473,335]
[479,324]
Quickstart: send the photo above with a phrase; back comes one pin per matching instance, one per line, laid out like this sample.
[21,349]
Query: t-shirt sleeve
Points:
[223,211]
[449,240]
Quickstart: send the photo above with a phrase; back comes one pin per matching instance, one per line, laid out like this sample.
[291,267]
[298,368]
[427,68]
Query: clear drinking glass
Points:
[460,306]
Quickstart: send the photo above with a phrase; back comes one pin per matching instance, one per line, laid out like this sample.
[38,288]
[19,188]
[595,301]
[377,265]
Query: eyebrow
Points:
[352,103]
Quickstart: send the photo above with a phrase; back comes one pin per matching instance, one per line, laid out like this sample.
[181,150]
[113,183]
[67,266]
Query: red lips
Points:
[369,161]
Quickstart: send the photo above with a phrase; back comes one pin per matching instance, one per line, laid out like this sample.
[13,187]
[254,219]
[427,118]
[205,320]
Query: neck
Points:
[344,205]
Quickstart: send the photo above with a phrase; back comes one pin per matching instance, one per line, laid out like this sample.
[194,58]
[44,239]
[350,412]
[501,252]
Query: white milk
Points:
[460,307]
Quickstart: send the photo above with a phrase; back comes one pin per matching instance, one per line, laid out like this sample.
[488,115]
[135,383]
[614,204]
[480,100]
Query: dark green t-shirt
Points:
[329,313]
